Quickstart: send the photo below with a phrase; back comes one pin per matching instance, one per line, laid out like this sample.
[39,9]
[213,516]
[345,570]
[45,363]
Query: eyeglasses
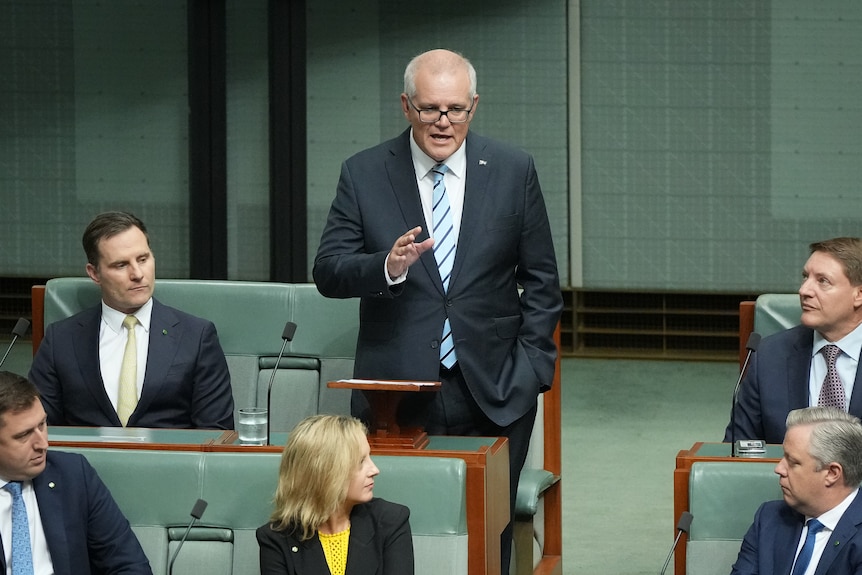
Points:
[433,115]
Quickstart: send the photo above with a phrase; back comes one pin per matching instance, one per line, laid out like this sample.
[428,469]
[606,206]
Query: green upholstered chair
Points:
[156,490]
[723,496]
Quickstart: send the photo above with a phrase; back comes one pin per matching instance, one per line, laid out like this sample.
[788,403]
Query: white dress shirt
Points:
[112,346]
[42,564]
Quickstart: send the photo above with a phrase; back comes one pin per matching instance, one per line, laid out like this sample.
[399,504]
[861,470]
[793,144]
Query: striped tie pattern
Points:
[444,253]
[22,555]
[832,392]
[127,399]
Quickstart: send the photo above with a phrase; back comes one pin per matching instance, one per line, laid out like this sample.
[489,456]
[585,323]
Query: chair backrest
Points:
[770,313]
[157,489]
[723,496]
[250,318]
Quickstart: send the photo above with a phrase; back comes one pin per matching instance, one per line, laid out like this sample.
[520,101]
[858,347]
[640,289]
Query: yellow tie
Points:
[127,399]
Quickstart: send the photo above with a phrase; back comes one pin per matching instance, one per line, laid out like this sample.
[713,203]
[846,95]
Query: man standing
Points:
[56,515]
[816,363]
[436,231]
[131,361]
[816,528]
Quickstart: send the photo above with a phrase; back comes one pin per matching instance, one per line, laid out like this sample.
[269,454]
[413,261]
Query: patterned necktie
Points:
[832,392]
[127,399]
[444,253]
[804,557]
[22,556]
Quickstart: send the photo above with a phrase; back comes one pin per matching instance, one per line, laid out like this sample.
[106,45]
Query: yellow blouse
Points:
[335,550]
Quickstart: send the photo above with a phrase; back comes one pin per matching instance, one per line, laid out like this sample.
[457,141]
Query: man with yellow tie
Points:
[131,361]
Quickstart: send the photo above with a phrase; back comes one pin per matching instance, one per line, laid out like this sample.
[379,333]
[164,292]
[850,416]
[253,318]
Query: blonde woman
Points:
[326,519]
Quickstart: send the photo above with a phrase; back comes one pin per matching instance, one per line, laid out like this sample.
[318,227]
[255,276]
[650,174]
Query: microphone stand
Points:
[751,345]
[286,336]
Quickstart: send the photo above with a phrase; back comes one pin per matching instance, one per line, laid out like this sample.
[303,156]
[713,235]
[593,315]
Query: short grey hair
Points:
[836,437]
[414,64]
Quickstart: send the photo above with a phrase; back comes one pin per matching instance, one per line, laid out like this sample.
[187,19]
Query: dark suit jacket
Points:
[380,544]
[504,342]
[777,383]
[85,530]
[770,544]
[186,384]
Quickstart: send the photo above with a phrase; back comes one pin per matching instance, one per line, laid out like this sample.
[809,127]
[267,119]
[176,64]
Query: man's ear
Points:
[834,474]
[93,273]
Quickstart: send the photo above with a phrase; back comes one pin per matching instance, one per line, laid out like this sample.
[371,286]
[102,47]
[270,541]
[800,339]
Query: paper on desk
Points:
[390,382]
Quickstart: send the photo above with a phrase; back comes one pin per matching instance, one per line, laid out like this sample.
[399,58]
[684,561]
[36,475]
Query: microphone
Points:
[286,336]
[197,511]
[18,331]
[682,526]
[751,345]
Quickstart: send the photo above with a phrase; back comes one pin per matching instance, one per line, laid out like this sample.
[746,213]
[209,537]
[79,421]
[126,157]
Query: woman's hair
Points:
[321,454]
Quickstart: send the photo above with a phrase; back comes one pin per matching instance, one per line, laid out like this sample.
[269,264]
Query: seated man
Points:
[816,363]
[815,527]
[131,361]
[56,515]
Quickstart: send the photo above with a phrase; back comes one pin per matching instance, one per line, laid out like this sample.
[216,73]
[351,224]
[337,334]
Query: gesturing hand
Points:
[405,252]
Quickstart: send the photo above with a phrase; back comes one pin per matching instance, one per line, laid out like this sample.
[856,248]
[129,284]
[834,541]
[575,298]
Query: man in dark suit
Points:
[76,525]
[424,316]
[816,528]
[166,369]
[790,368]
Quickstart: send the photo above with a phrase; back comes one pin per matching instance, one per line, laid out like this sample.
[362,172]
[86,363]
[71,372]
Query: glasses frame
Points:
[440,113]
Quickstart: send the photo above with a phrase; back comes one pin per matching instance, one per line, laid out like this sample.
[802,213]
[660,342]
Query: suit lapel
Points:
[50,492]
[844,532]
[798,369]
[86,345]
[856,396]
[475,190]
[165,333]
[361,554]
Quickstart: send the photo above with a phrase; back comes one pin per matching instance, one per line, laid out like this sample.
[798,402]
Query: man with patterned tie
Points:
[436,231]
[817,362]
[131,361]
[817,528]
[56,515]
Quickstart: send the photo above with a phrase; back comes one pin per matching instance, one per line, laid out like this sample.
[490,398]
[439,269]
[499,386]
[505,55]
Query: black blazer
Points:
[504,340]
[380,544]
[186,385]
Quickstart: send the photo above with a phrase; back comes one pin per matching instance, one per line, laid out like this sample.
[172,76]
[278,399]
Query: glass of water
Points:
[251,426]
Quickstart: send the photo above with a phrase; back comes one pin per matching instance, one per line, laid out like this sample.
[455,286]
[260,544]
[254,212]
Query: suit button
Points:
[448,303]
[435,344]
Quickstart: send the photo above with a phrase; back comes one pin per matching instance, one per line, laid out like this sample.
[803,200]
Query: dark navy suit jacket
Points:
[769,547]
[503,339]
[380,544]
[85,530]
[777,383]
[186,385]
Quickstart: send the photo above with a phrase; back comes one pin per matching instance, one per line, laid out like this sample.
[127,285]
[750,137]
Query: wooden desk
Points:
[487,460]
[701,451]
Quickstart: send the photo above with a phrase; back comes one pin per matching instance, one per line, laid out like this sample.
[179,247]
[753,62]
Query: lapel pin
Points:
[483,163]
[295,549]
[836,544]
[164,332]
[51,485]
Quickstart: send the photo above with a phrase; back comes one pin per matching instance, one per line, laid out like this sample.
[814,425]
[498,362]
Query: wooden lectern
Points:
[384,397]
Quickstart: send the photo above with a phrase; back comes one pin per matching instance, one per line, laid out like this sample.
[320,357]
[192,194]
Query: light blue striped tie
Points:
[444,253]
[22,556]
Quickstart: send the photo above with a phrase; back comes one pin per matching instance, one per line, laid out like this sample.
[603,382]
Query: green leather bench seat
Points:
[157,489]
[723,496]
[250,318]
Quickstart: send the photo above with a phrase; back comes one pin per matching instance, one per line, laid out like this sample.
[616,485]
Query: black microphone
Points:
[682,526]
[751,346]
[197,511]
[18,331]
[286,336]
